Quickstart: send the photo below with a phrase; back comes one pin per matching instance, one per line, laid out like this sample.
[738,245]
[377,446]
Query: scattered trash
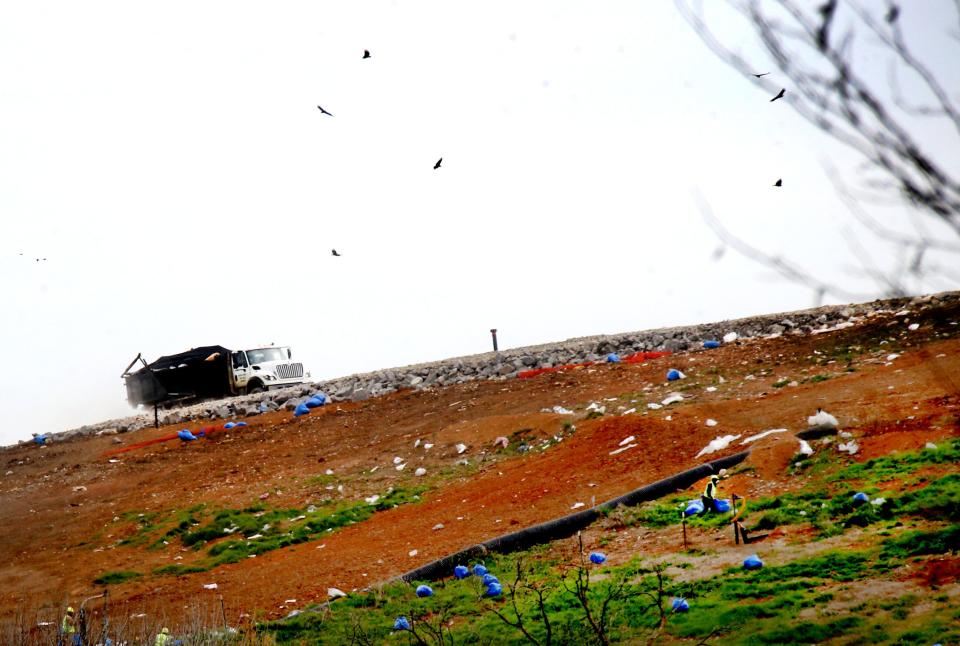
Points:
[79,488]
[437,527]
[754,438]
[597,557]
[372,500]
[264,496]
[594,406]
[420,471]
[629,411]
[931,446]
[240,424]
[417,443]
[578,505]
[730,337]
[694,507]
[627,440]
[560,410]
[752,562]
[301,409]
[718,444]
[913,326]
[397,460]
[613,357]
[319,399]
[461,448]
[680,605]
[412,553]
[653,406]
[850,447]
[891,357]
[427,446]
[710,345]
[489,578]
[335,593]
[186,435]
[622,449]
[672,398]
[479,570]
[424,591]
[673,374]
[711,422]
[861,497]
[822,419]
[209,586]
[721,505]
[461,572]
[400,467]
[878,501]
[401,623]
[711,389]
[805,448]
[229,425]
[501,441]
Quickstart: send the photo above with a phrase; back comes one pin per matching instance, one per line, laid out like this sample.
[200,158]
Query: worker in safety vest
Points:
[709,496]
[165,639]
[68,629]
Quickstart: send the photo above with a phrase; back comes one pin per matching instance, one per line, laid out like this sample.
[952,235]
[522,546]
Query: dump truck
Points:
[211,372]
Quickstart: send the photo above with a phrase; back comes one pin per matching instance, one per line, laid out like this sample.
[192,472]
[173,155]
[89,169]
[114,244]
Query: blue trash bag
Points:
[301,409]
[239,424]
[490,578]
[461,572]
[752,562]
[40,439]
[861,497]
[186,435]
[613,357]
[597,557]
[479,570]
[315,402]
[721,506]
[401,623]
[321,397]
[494,590]
[673,374]
[710,345]
[424,591]
[229,425]
[694,507]
[680,605]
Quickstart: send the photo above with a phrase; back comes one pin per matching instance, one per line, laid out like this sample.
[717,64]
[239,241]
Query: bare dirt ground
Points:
[65,508]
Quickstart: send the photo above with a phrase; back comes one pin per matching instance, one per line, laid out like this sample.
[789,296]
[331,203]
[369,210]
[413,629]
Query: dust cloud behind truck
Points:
[211,372]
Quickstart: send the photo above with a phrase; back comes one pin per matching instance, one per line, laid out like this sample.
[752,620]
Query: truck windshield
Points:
[260,355]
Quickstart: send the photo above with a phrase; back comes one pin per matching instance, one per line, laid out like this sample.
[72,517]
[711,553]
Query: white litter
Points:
[913,326]
[329,472]
[594,406]
[754,438]
[845,434]
[400,467]
[417,443]
[397,460]
[718,444]
[290,601]
[111,461]
[669,418]
[461,448]
[653,406]
[629,410]
[878,501]
[616,451]
[311,509]
[930,445]
[372,500]
[805,448]
[711,422]
[822,419]
[711,389]
[427,446]
[891,357]
[438,526]
[300,517]
[412,553]
[339,488]
[335,593]
[672,398]
[578,505]
[627,440]
[730,337]
[209,586]
[420,472]
[79,488]
[560,410]
[850,447]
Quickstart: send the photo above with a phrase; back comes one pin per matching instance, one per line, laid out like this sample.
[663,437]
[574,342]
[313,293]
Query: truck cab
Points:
[265,368]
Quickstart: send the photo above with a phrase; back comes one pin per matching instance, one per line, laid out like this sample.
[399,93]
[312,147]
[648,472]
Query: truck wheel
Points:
[255,387]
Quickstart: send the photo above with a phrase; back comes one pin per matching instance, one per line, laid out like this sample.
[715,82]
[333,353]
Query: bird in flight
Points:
[779,95]
[334,252]
[366,53]
[893,14]
[437,165]
[760,75]
[323,111]
[779,182]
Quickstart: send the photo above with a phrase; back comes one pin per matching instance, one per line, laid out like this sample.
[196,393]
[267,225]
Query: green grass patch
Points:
[119,576]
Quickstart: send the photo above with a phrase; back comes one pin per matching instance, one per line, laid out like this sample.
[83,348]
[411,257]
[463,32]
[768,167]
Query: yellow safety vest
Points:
[67,627]
[711,490]
[161,640]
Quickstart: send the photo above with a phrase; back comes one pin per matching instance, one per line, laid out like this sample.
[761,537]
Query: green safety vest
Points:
[161,640]
[711,490]
[67,627]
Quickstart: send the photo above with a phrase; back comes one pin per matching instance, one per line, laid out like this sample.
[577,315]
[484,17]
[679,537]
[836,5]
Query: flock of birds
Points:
[366,54]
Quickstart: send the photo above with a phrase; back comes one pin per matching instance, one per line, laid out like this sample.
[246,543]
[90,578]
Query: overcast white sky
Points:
[169,162]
